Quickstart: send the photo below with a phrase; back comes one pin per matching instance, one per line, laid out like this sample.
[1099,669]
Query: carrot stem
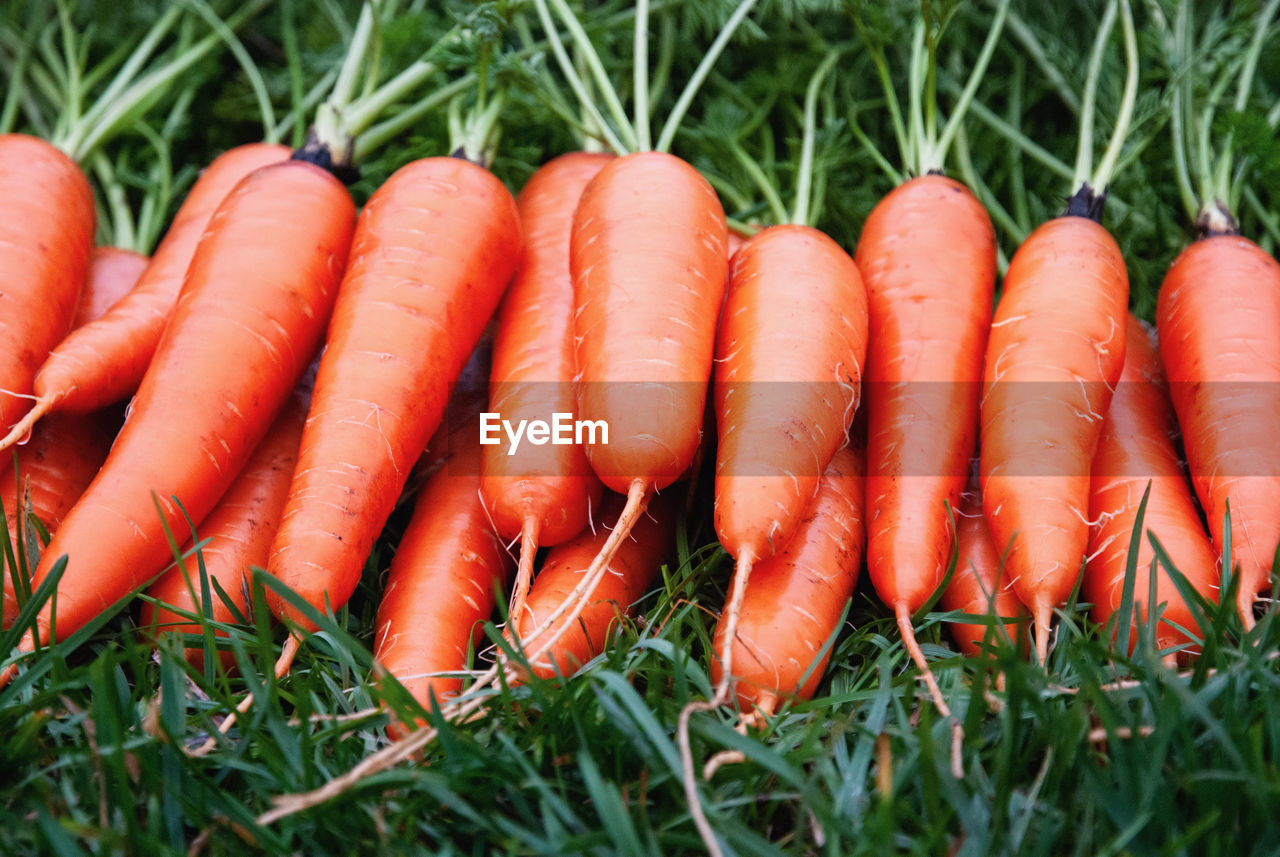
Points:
[804,182]
[1084,149]
[1102,176]
[607,90]
[937,154]
[640,75]
[576,82]
[699,75]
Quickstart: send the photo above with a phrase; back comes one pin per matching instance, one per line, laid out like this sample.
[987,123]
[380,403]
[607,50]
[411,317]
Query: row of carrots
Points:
[607,276]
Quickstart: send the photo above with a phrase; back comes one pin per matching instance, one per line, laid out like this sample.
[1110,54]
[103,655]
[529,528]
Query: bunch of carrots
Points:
[865,407]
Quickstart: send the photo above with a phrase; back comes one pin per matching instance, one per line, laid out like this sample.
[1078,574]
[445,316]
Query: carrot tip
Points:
[21,431]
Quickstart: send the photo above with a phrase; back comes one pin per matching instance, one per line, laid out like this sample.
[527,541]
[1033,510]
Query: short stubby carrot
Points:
[237,536]
[54,468]
[1136,450]
[113,271]
[789,357]
[1218,311]
[433,252]
[793,604]
[46,233]
[444,580]
[1055,354]
[103,362]
[540,494]
[978,584]
[927,254]
[649,259]
[252,310]
[630,574]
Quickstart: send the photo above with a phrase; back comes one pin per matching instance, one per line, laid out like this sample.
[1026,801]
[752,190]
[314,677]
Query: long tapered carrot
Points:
[542,495]
[104,361]
[443,582]
[789,357]
[1217,313]
[649,261]
[631,573]
[1052,364]
[256,297]
[979,585]
[433,251]
[928,256]
[237,536]
[61,458]
[46,234]
[796,596]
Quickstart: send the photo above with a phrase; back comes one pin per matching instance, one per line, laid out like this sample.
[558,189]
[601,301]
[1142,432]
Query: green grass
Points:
[96,761]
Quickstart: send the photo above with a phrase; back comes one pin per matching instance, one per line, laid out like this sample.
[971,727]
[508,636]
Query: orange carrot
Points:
[443,581]
[1136,450]
[1055,355]
[542,495]
[797,595]
[927,253]
[1217,314]
[104,361]
[46,233]
[237,536]
[978,585]
[61,458]
[255,300]
[631,572]
[649,261]
[433,251]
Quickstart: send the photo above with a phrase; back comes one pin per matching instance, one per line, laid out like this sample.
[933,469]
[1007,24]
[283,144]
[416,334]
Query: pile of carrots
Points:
[847,399]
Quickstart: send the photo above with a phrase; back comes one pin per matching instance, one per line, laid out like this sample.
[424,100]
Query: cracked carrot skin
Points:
[104,361]
[238,534]
[550,488]
[927,254]
[1055,353]
[794,600]
[1137,449]
[46,234]
[257,295]
[789,356]
[1218,311]
[433,252]
[649,259]
[978,585]
[63,454]
[443,582]
[630,574]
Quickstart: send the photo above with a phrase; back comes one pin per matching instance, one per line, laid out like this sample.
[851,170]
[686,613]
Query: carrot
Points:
[1136,450]
[60,459]
[46,234]
[443,582]
[978,584]
[1217,311]
[797,595]
[104,361]
[631,572]
[1054,356]
[789,355]
[928,256]
[432,254]
[252,308]
[237,536]
[113,271]
[542,495]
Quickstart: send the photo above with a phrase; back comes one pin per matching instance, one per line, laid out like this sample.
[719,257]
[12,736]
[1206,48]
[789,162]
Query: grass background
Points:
[1095,754]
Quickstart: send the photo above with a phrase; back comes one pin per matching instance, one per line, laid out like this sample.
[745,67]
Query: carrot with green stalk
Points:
[1054,356]
[927,253]
[1217,312]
